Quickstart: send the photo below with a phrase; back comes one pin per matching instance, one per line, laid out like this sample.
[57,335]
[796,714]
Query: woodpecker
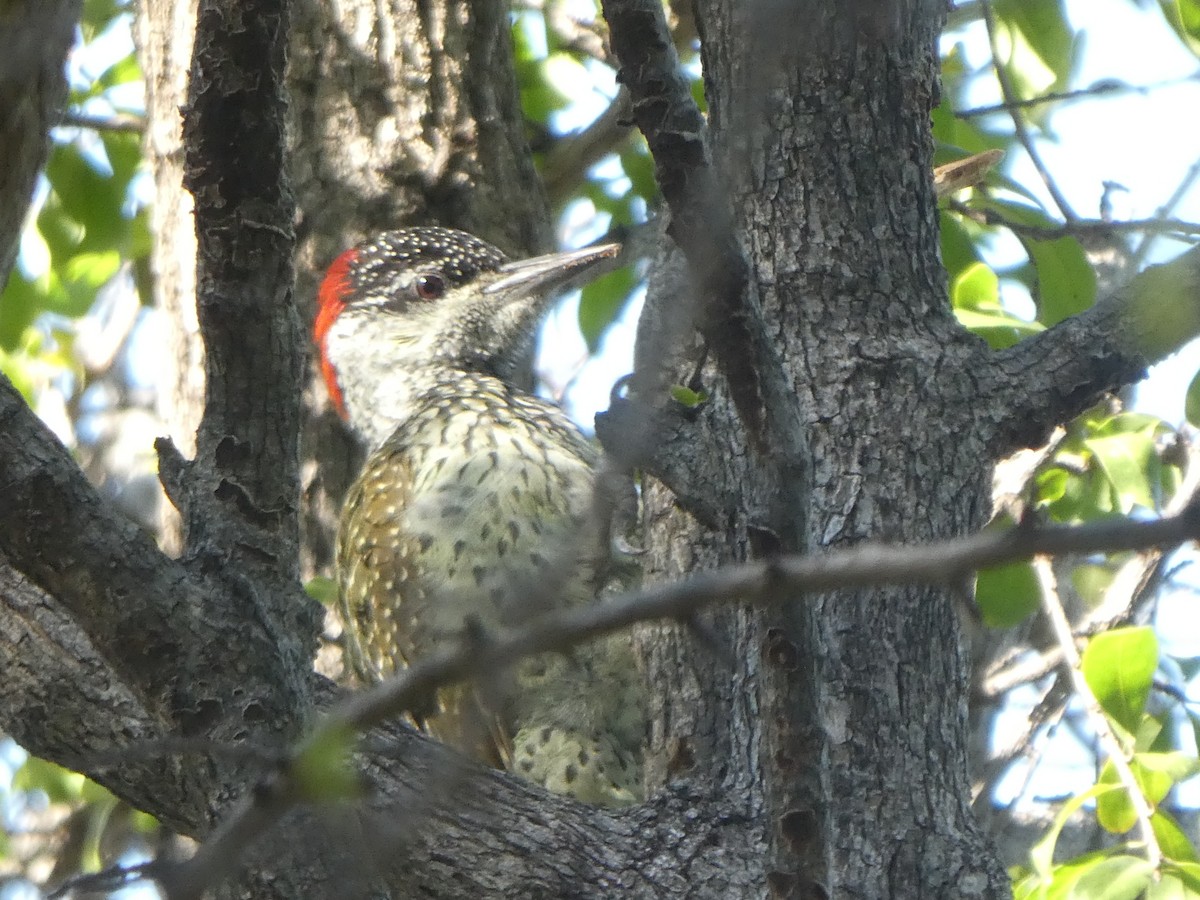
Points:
[472,512]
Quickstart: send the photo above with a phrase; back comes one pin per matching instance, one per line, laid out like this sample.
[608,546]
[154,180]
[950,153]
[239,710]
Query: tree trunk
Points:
[810,747]
[851,705]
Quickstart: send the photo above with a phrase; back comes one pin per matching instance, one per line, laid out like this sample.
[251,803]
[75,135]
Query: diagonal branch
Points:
[1051,377]
[702,225]
[944,562]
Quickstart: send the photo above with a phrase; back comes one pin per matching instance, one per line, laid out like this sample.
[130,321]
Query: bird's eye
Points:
[429,287]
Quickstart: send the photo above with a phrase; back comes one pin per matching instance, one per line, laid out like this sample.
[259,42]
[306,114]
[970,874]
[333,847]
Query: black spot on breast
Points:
[546,735]
[570,774]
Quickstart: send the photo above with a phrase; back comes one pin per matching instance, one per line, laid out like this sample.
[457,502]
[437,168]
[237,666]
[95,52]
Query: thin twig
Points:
[942,562]
[120,122]
[1010,98]
[1076,227]
[1181,191]
[1099,89]
[1052,607]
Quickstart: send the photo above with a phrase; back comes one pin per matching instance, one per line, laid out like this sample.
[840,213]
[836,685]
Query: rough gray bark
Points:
[851,709]
[33,50]
[816,747]
[164,33]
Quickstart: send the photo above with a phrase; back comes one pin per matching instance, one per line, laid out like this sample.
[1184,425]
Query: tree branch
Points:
[944,562]
[702,225]
[1051,377]
[34,43]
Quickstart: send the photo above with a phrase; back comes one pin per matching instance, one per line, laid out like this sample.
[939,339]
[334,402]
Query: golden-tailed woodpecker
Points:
[473,510]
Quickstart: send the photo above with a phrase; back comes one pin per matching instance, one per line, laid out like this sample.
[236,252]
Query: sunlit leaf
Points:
[1174,843]
[1184,16]
[1119,666]
[1117,878]
[976,288]
[998,328]
[1041,854]
[1006,595]
[1047,33]
[601,301]
[1066,281]
[1125,460]
[1114,809]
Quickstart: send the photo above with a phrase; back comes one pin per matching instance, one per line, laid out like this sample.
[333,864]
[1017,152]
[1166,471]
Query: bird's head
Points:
[408,307]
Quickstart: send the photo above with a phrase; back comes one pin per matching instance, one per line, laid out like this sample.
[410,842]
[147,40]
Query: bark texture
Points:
[852,707]
[810,748]
[34,40]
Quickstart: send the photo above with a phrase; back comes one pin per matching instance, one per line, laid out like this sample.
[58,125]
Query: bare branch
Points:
[1100,88]
[1052,607]
[1051,377]
[119,122]
[1078,227]
[1010,99]
[944,562]
[573,154]
[34,43]
[701,223]
[701,220]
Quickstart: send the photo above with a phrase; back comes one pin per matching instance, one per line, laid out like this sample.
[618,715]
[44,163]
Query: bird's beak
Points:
[550,273]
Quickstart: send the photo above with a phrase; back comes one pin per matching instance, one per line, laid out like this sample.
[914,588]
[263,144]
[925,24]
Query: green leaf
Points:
[1041,854]
[20,304]
[323,590]
[1091,581]
[322,771]
[1006,595]
[685,396]
[601,301]
[1126,461]
[958,250]
[1117,878]
[638,165]
[1184,16]
[998,328]
[1172,840]
[1169,887]
[123,71]
[1066,281]
[1172,765]
[1188,873]
[1046,32]
[59,784]
[977,288]
[1119,667]
[1114,809]
[1191,403]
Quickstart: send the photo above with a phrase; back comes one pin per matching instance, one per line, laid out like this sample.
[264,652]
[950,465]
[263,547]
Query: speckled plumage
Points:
[476,506]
